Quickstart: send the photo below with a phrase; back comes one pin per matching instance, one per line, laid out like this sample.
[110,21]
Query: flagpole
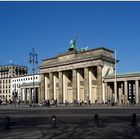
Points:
[115,77]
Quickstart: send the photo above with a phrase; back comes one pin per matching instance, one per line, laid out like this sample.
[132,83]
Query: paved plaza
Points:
[70,122]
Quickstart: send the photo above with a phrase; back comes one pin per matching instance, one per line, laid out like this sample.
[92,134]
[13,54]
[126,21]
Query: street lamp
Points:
[14,94]
[33,60]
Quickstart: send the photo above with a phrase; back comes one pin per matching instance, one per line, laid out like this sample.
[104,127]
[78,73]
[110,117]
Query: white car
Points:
[3,103]
[42,103]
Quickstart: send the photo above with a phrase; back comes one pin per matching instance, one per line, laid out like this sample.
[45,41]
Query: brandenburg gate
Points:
[77,75]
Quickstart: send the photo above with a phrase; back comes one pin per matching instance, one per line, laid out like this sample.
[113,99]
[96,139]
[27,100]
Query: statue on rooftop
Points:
[73,46]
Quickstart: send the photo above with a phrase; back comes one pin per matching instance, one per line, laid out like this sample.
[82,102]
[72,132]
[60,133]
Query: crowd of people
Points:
[48,103]
[54,103]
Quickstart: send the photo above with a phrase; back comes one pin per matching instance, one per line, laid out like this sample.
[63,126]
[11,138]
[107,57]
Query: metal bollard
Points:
[134,120]
[96,120]
[7,123]
[53,121]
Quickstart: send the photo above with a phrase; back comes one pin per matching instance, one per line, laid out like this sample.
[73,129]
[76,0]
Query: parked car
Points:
[3,103]
[42,103]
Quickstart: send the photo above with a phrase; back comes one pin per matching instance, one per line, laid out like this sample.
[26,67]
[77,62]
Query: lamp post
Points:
[33,60]
[14,95]
[115,91]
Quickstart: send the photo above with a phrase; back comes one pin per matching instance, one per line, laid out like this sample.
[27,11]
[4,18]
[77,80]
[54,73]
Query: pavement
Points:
[82,130]
[71,122]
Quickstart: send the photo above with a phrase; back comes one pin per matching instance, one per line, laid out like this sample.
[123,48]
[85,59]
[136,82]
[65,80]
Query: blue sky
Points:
[49,26]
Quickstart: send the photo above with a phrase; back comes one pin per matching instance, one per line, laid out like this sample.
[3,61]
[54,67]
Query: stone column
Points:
[99,84]
[109,92]
[125,91]
[90,84]
[74,84]
[39,92]
[64,87]
[25,95]
[115,91]
[78,86]
[120,92]
[60,87]
[86,84]
[42,94]
[137,91]
[46,87]
[106,92]
[30,95]
[51,92]
[54,86]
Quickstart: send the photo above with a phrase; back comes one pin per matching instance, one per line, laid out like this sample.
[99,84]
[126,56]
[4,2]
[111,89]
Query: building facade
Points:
[76,75]
[6,73]
[128,88]
[23,87]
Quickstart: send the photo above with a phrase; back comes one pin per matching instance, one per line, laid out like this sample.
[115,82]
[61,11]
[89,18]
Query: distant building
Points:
[6,73]
[128,87]
[23,87]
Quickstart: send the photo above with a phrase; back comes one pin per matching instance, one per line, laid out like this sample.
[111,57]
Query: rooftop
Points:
[79,52]
[7,65]
[127,74]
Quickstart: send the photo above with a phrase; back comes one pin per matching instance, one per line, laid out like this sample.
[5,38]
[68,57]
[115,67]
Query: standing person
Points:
[56,102]
[19,103]
[48,102]
[89,102]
